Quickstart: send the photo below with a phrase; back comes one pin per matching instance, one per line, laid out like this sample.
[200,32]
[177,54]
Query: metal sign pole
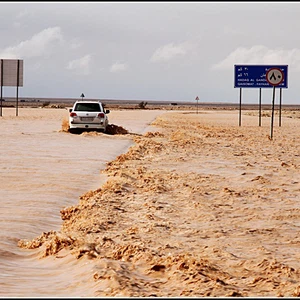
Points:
[240,111]
[197,98]
[17,98]
[1,87]
[259,107]
[272,119]
[280,98]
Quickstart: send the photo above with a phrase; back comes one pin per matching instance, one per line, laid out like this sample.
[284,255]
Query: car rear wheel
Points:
[101,130]
[74,130]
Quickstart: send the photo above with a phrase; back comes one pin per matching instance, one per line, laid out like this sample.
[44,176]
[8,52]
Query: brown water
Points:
[42,170]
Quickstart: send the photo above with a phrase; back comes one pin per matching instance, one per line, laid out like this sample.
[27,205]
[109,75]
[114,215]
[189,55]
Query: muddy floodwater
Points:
[42,170]
[185,204]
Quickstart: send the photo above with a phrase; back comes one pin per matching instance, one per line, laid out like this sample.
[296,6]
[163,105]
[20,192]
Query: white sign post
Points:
[274,77]
[197,98]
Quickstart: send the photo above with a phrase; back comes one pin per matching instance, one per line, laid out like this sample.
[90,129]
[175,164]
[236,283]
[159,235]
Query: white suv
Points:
[88,115]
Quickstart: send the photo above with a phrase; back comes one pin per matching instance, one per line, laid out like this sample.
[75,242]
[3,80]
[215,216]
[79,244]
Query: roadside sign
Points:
[255,76]
[261,76]
[275,76]
[197,98]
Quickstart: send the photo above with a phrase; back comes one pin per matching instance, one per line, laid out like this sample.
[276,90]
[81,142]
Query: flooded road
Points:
[42,170]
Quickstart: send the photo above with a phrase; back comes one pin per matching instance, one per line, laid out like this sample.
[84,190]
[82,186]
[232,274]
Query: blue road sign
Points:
[254,76]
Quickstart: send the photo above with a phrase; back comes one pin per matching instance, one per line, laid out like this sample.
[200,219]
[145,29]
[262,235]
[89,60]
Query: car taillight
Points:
[101,115]
[72,114]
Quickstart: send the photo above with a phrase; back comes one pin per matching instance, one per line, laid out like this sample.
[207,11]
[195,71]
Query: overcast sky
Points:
[149,50]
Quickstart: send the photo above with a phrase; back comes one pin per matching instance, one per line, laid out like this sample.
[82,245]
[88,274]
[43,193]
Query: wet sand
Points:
[200,208]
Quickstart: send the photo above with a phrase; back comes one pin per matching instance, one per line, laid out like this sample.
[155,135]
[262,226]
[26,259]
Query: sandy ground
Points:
[201,207]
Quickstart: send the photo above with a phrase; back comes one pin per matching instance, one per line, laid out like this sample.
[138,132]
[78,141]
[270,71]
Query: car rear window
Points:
[87,107]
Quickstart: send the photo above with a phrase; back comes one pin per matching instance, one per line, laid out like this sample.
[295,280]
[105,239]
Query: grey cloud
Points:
[260,55]
[36,46]
[81,65]
[118,67]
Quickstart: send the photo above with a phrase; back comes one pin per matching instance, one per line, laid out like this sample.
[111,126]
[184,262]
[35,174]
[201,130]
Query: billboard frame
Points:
[11,74]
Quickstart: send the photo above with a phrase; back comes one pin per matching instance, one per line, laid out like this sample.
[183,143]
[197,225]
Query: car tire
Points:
[101,130]
[73,130]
